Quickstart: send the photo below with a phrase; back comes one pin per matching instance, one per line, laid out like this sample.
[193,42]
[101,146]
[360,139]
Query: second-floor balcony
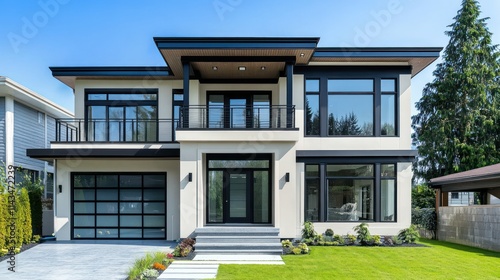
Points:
[163,130]
[112,130]
[275,117]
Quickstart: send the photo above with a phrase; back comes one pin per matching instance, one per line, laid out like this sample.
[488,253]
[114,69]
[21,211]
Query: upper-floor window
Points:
[121,115]
[342,104]
[350,106]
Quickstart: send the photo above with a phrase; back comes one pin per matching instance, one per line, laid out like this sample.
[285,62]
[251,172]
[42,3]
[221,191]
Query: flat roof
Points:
[270,53]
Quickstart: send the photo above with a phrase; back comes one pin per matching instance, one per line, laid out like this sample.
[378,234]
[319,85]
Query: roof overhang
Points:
[417,58]
[487,177]
[221,58]
[20,93]
[69,153]
[68,75]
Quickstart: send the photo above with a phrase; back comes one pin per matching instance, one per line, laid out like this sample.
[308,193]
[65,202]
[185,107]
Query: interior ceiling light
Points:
[242,68]
[263,68]
[215,68]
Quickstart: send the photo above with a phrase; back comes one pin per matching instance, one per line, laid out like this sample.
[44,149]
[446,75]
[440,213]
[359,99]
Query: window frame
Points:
[114,103]
[377,73]
[377,189]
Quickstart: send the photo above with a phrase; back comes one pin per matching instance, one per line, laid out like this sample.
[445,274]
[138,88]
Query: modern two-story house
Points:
[254,132]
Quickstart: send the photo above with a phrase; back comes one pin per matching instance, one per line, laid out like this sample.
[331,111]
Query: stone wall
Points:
[477,226]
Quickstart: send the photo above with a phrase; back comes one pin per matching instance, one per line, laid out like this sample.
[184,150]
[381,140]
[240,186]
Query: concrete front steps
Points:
[237,240]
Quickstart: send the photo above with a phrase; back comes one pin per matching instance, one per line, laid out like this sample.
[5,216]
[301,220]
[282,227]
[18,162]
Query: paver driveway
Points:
[78,260]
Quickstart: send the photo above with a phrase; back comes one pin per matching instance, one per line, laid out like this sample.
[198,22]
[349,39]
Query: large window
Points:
[118,206]
[352,192]
[351,102]
[121,115]
[350,107]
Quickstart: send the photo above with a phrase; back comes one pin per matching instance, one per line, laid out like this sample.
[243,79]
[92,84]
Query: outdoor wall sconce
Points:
[287,177]
[60,188]
[190,177]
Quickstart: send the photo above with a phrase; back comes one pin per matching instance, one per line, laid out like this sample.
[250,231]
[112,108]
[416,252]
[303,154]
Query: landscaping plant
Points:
[409,235]
[308,231]
[364,236]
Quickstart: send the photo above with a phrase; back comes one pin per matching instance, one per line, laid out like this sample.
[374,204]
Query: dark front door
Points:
[237,204]
[238,190]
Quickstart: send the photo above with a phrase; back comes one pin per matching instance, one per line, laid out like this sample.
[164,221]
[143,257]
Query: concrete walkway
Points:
[79,260]
[206,266]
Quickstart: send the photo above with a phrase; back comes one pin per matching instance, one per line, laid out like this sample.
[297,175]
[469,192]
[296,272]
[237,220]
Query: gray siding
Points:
[2,129]
[51,130]
[28,133]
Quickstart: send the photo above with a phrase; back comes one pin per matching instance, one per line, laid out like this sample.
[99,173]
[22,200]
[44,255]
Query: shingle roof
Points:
[471,175]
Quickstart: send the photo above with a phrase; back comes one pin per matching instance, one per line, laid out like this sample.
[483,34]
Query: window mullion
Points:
[377,110]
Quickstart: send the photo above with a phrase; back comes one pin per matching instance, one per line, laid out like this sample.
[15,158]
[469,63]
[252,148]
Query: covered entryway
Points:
[239,189]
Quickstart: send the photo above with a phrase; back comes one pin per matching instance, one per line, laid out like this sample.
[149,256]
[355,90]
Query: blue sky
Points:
[37,34]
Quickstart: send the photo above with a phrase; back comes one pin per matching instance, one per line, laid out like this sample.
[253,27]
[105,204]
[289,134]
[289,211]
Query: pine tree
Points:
[456,128]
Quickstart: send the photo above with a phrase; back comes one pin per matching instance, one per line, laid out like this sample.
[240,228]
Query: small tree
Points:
[422,196]
[35,192]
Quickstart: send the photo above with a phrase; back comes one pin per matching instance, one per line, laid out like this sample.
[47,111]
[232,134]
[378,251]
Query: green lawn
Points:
[440,260]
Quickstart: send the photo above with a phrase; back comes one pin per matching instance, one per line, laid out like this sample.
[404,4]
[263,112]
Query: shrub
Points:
[329,232]
[364,236]
[376,240]
[329,243]
[24,218]
[158,266]
[321,243]
[318,237]
[184,248]
[150,273]
[35,192]
[36,238]
[286,243]
[351,238]
[308,231]
[296,251]
[309,241]
[425,218]
[339,239]
[303,248]
[143,264]
[335,243]
[409,235]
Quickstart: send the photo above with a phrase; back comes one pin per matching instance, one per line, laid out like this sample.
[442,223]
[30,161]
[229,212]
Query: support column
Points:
[289,95]
[185,104]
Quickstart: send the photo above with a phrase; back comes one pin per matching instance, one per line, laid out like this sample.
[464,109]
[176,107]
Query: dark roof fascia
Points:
[103,153]
[357,153]
[112,71]
[378,52]
[236,43]
[439,183]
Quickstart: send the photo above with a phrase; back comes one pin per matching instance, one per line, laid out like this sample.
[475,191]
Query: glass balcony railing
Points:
[237,117]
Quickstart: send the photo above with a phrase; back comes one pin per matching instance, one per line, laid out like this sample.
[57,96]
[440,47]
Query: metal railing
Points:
[102,130]
[238,117]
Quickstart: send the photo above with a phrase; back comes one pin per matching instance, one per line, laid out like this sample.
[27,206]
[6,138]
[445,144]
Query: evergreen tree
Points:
[456,128]
[347,125]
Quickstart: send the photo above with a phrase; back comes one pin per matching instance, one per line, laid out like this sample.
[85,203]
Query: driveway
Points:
[78,260]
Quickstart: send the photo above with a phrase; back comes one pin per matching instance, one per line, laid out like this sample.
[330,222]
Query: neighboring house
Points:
[474,224]
[238,132]
[484,181]
[27,120]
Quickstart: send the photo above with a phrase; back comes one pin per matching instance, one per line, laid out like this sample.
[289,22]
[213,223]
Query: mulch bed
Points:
[23,248]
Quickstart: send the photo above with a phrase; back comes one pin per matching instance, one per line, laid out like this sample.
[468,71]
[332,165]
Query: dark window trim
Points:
[219,156]
[377,185]
[377,73]
[179,103]
[95,201]
[114,103]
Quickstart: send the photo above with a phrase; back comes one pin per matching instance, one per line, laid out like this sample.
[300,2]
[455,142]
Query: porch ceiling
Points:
[234,51]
